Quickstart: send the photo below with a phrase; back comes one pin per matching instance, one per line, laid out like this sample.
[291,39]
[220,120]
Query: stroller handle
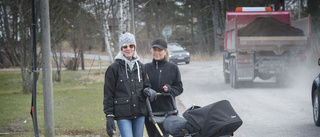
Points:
[151,114]
[173,101]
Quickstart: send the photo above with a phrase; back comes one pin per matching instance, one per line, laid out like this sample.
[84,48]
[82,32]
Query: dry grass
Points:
[202,57]
[194,57]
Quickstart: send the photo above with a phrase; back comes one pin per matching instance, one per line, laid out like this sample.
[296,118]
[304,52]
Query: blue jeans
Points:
[131,127]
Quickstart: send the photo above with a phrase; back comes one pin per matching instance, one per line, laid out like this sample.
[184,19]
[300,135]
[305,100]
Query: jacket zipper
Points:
[157,65]
[159,79]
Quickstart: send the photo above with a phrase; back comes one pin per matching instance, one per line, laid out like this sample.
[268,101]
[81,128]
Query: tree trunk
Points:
[127,15]
[26,81]
[57,61]
[132,17]
[81,49]
[199,25]
[215,12]
[120,19]
[103,40]
[158,17]
[107,39]
[192,34]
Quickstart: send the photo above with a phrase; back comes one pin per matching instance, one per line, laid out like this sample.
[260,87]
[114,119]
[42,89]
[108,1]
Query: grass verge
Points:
[78,108]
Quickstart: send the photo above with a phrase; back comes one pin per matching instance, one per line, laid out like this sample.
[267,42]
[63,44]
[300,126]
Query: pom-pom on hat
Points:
[159,43]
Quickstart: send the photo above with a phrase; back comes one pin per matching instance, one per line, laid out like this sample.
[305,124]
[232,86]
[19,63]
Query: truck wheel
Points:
[316,109]
[226,78]
[231,73]
[234,82]
[226,75]
[264,76]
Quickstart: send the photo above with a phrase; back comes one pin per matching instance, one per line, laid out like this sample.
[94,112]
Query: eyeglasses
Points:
[126,46]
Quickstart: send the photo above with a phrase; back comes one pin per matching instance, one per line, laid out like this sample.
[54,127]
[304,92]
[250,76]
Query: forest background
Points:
[79,26]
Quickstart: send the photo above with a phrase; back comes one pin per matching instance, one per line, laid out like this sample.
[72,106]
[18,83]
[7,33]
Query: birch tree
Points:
[120,18]
[108,41]
[124,16]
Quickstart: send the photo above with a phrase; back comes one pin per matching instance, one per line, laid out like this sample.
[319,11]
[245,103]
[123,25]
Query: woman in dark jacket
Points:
[125,81]
[164,77]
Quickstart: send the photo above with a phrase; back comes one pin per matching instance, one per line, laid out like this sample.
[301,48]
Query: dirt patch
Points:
[75,132]
[269,26]
[15,126]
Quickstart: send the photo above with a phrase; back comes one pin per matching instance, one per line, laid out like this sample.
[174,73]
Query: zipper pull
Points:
[157,64]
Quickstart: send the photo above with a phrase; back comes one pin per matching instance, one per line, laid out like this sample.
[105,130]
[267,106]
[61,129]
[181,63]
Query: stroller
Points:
[214,120]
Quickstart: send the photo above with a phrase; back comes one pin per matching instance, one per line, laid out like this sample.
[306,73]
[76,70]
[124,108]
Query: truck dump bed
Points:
[245,42]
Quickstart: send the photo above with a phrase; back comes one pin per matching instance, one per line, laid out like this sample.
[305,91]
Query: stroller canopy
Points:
[216,119]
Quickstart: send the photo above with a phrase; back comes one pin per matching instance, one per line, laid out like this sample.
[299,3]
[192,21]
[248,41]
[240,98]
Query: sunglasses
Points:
[126,46]
[156,49]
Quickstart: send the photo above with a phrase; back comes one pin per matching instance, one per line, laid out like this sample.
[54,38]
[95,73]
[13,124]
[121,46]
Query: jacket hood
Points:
[129,63]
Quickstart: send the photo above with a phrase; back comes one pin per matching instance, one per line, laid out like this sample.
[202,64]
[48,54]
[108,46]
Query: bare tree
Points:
[58,10]
[15,38]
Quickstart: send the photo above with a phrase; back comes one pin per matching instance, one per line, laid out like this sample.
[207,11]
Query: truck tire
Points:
[226,75]
[264,76]
[234,83]
[226,78]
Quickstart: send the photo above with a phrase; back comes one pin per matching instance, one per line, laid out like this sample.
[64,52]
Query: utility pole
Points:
[46,69]
[34,89]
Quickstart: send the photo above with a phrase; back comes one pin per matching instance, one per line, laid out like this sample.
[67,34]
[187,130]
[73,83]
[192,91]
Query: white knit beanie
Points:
[127,38]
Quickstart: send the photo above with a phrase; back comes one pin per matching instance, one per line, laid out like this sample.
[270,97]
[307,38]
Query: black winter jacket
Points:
[123,97]
[163,73]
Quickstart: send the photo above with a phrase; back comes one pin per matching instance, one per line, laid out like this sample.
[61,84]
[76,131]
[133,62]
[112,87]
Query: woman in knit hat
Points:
[125,83]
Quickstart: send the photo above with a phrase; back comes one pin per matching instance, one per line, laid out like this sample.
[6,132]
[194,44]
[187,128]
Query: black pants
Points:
[152,130]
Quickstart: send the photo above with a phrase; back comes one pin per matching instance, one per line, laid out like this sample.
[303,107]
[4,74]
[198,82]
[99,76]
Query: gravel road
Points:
[266,109]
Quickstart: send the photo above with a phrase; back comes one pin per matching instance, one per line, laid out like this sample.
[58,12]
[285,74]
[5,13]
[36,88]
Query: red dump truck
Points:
[263,44]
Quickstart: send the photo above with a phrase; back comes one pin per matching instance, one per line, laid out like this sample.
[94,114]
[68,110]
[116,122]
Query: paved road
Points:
[266,109]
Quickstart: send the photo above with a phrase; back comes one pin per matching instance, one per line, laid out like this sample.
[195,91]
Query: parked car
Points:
[315,93]
[178,54]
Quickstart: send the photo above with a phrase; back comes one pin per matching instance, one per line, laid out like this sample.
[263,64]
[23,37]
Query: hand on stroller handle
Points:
[152,114]
[162,94]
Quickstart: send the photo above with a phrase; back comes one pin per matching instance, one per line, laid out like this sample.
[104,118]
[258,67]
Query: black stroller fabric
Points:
[175,125]
[216,119]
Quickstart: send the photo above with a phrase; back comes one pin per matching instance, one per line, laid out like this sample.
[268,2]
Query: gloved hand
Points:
[110,125]
[148,92]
